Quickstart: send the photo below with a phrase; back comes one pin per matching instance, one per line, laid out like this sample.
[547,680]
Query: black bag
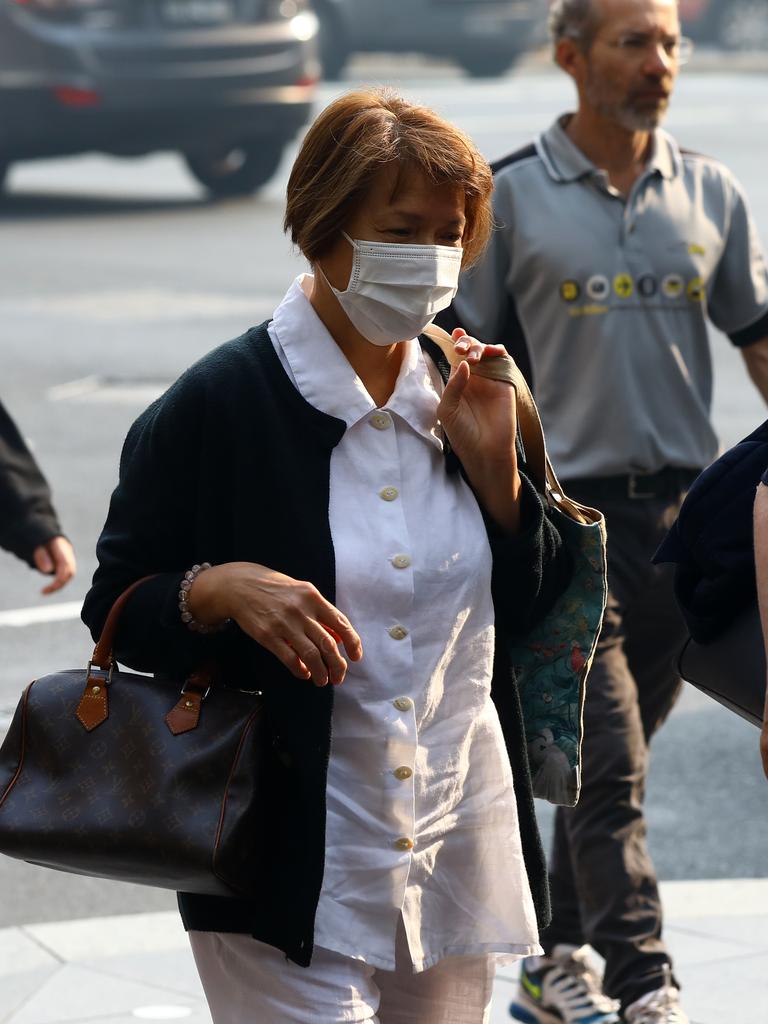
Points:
[113,774]
[731,669]
[712,546]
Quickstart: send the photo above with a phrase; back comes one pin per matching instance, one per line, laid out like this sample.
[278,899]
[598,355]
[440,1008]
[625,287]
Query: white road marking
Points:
[17,617]
[101,389]
[140,305]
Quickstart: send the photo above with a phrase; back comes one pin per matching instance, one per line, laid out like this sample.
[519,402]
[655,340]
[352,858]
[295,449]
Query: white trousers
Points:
[248,982]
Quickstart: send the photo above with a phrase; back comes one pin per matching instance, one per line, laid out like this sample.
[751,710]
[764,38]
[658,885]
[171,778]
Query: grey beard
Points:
[625,114]
[639,121]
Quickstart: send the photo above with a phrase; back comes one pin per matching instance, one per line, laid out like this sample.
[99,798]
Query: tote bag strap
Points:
[529,423]
[102,654]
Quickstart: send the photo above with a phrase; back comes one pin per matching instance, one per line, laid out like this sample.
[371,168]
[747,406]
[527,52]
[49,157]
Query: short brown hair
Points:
[355,137]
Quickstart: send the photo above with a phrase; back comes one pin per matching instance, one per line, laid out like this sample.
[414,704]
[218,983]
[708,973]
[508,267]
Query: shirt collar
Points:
[565,162]
[326,380]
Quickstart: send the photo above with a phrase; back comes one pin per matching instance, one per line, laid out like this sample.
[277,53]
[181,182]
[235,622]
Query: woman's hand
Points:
[289,617]
[479,417]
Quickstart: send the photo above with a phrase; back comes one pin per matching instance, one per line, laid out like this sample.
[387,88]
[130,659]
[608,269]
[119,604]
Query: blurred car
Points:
[228,83]
[485,37]
[733,24]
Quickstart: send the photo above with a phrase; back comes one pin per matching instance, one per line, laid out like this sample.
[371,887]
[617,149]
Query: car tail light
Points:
[70,96]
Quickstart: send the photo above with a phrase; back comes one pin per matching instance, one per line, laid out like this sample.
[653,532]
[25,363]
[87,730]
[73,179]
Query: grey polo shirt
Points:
[612,296]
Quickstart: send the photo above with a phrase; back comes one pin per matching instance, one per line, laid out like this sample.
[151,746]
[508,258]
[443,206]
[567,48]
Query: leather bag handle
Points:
[93,708]
[529,424]
[102,654]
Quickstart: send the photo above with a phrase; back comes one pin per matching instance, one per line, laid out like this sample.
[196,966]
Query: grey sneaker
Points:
[662,1006]
[562,988]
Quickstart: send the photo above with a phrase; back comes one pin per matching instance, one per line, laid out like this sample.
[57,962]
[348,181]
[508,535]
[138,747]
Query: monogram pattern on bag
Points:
[129,800]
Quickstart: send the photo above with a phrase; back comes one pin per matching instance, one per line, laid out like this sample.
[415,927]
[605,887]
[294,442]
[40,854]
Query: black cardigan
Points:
[232,464]
[27,516]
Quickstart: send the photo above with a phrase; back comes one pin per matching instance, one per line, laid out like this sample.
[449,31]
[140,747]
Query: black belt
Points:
[666,483]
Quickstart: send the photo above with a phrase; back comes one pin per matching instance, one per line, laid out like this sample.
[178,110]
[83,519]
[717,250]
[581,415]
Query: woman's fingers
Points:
[335,666]
[342,631]
[286,654]
[454,389]
[472,349]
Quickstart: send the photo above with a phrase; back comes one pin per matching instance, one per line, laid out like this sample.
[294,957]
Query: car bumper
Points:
[124,129]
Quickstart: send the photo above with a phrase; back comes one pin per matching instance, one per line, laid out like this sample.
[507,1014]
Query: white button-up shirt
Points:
[422,819]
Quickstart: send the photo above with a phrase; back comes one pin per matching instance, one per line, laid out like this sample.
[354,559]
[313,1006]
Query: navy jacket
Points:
[711,541]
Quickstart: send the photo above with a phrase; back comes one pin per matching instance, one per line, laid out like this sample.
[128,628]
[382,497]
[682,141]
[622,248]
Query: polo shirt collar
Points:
[565,162]
[326,380]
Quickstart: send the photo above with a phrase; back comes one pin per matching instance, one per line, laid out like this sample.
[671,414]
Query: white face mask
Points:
[396,290]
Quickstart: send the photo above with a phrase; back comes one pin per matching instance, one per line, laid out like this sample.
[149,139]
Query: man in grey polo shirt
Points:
[614,248]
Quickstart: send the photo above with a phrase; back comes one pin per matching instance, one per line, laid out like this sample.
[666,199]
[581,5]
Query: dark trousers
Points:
[602,879]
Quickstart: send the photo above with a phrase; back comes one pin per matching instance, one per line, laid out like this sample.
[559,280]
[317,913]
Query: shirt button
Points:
[402,773]
[404,843]
[388,493]
[398,632]
[403,703]
[401,561]
[381,421]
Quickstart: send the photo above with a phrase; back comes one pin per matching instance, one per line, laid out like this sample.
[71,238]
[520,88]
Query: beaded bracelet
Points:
[186,615]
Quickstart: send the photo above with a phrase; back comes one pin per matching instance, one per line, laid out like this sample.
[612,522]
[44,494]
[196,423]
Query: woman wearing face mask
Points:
[370,529]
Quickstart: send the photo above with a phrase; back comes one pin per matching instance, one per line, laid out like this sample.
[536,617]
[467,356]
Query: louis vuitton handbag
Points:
[552,662]
[118,775]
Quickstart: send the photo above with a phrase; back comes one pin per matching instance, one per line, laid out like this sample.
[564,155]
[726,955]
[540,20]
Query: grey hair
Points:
[572,19]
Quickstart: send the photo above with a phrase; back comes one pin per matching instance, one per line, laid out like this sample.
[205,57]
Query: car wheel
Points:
[237,170]
[743,25]
[332,43]
[486,65]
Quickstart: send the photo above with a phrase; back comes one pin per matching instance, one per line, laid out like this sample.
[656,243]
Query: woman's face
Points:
[402,205]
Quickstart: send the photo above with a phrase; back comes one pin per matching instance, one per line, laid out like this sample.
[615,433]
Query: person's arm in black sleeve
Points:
[27,517]
[150,532]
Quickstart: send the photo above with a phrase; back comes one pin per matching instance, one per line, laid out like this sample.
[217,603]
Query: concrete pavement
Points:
[117,970]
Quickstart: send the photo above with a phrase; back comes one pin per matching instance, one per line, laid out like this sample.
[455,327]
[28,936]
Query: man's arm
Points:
[761,568]
[756,358]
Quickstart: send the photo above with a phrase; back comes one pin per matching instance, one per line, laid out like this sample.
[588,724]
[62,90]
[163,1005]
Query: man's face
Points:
[628,72]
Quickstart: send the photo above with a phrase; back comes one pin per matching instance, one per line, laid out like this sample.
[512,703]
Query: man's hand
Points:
[55,558]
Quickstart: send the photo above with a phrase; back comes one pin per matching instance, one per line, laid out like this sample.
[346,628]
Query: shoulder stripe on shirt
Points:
[749,335]
[514,158]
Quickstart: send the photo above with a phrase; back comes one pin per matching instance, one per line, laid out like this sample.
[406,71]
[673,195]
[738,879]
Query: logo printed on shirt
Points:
[647,286]
[623,285]
[696,289]
[673,286]
[569,291]
[694,249]
[598,287]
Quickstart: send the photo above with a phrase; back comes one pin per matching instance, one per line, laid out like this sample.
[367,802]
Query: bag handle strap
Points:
[93,708]
[102,655]
[529,423]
